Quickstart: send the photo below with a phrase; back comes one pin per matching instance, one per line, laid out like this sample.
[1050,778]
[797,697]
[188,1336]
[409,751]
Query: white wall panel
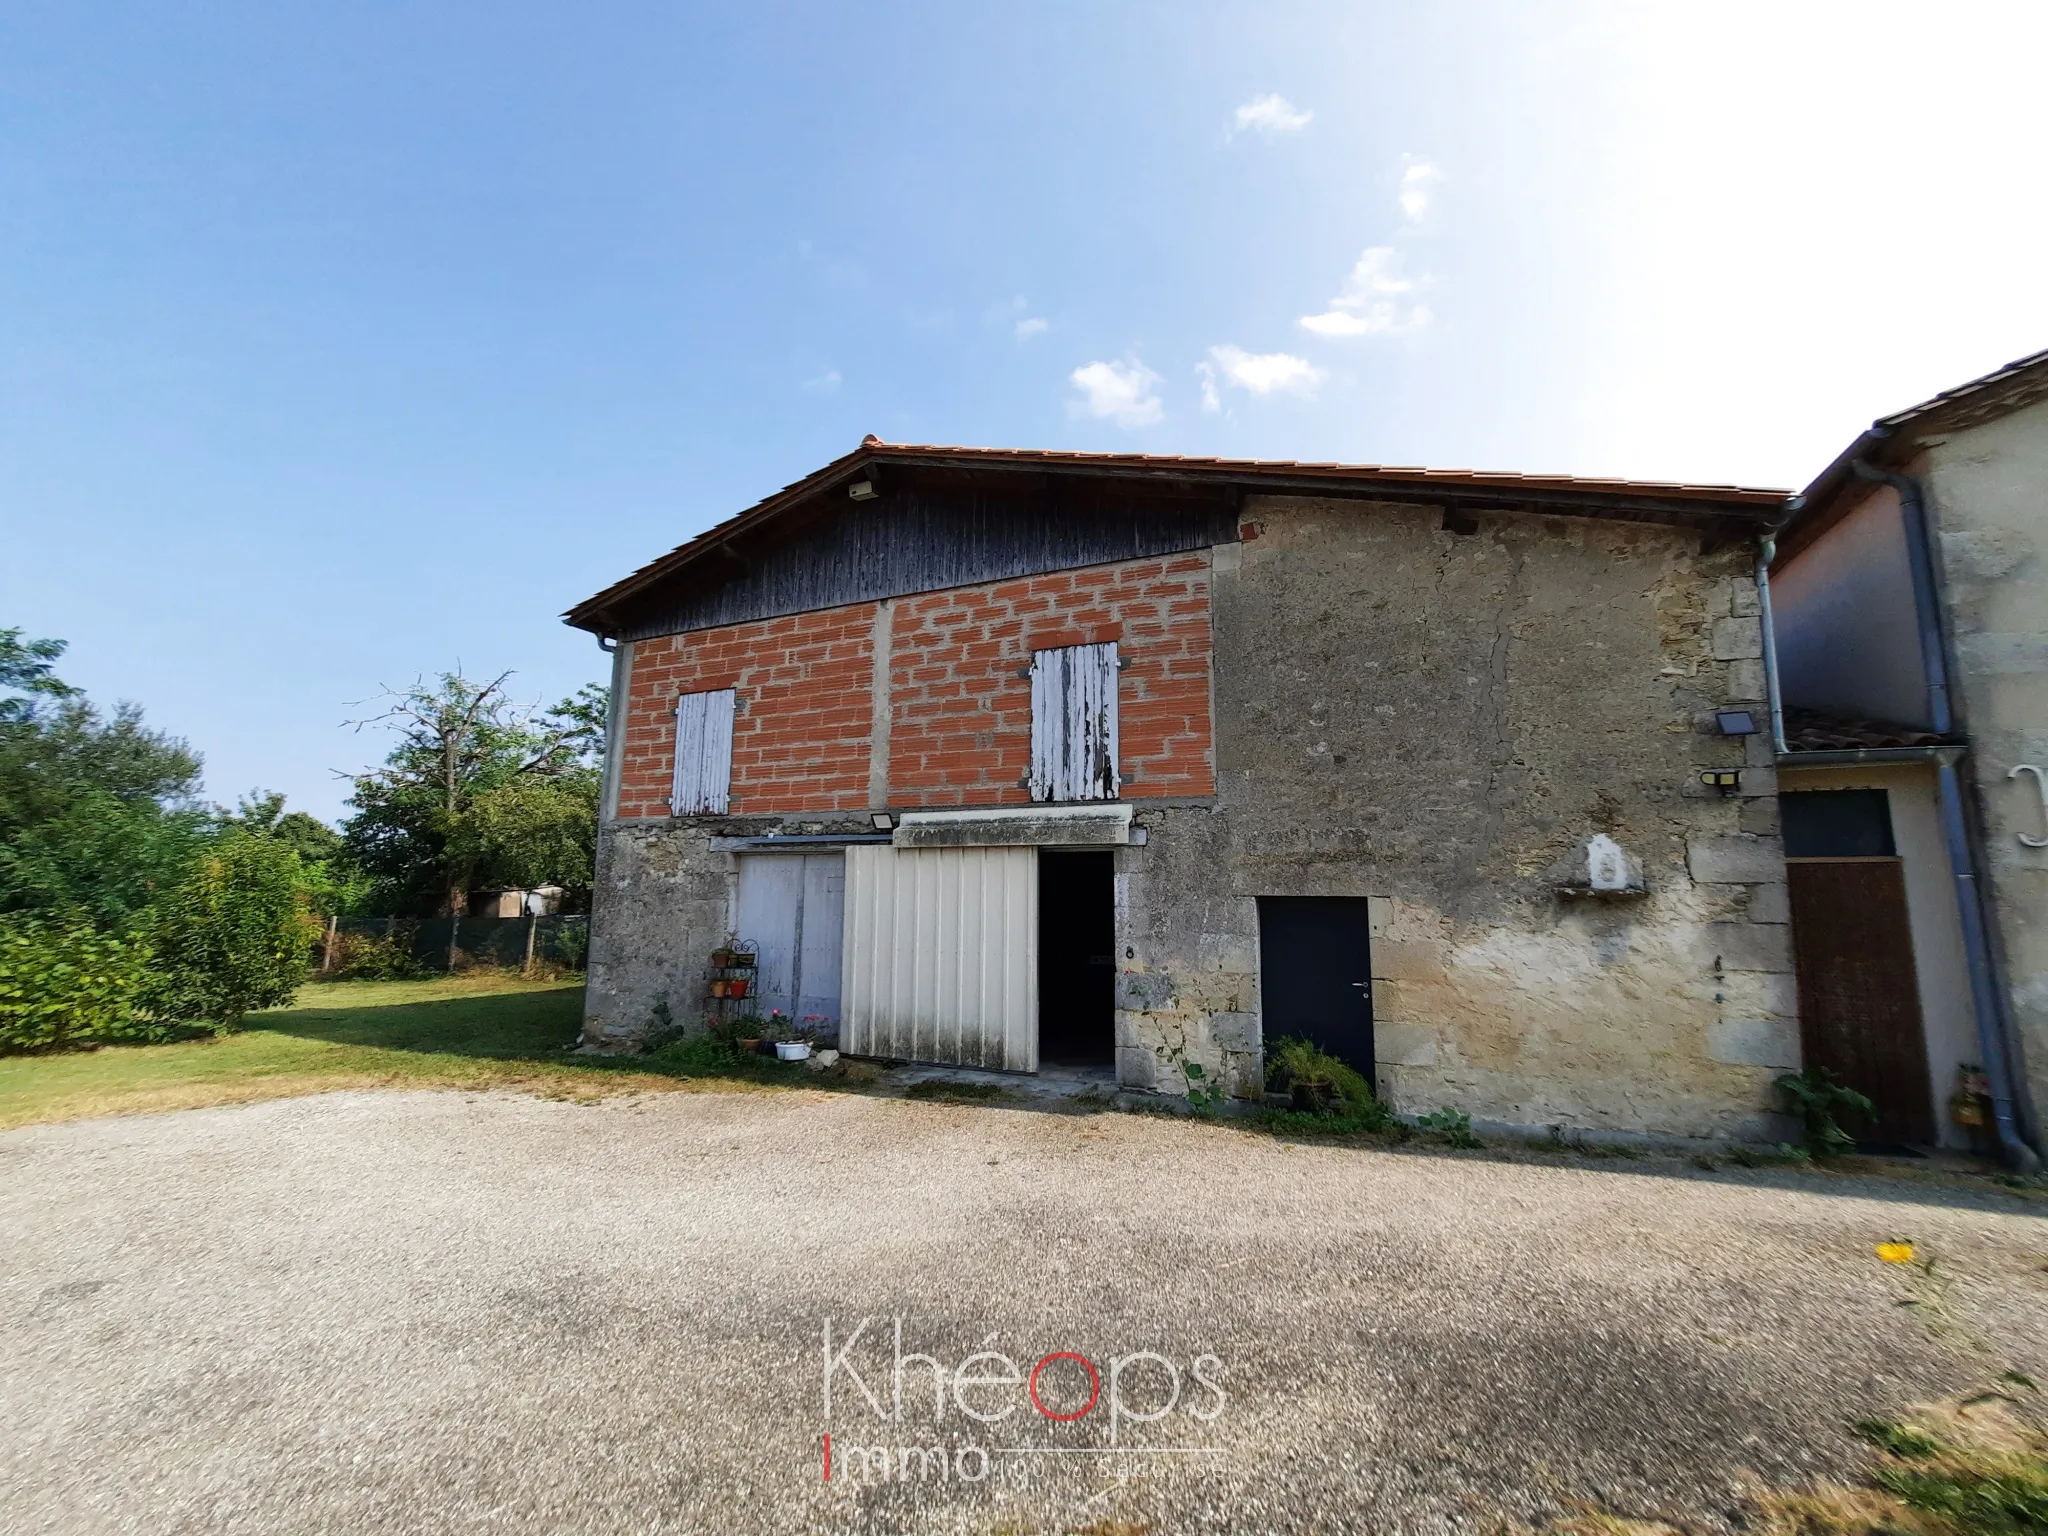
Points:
[790,908]
[941,957]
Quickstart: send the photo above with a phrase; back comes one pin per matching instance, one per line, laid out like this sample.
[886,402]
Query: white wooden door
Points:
[942,955]
[790,909]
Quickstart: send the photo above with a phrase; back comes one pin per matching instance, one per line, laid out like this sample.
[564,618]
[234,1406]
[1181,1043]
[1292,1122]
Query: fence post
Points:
[327,952]
[532,926]
[454,929]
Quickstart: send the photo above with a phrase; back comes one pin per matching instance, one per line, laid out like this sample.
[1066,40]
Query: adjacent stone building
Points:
[1913,637]
[1020,759]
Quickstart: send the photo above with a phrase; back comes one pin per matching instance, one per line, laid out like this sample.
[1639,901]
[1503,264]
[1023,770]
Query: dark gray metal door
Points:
[1315,974]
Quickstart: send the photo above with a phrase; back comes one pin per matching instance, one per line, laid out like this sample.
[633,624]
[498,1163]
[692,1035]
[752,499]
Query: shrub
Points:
[1815,1096]
[572,945]
[233,936]
[1454,1125]
[63,983]
[374,957]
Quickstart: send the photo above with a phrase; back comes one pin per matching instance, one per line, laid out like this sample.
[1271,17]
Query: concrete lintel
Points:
[1045,826]
[794,842]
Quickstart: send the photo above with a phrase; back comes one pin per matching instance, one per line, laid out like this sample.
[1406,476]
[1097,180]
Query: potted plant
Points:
[1314,1081]
[743,958]
[747,1030]
[735,986]
[721,958]
[1310,1095]
[718,985]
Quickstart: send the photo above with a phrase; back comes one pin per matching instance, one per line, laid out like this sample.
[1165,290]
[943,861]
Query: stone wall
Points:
[1440,722]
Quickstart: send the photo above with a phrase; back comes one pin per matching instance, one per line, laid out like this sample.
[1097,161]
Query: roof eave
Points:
[1711,509]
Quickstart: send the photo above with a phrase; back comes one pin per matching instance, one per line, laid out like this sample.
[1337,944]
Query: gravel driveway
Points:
[422,1312]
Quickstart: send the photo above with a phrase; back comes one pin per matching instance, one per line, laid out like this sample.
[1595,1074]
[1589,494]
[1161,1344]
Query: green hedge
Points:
[65,983]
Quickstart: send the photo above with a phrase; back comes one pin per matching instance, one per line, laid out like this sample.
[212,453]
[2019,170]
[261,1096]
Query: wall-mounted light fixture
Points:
[1736,722]
[1726,780]
[863,490]
[882,821]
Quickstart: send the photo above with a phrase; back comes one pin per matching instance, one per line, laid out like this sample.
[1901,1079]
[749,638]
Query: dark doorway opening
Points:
[1076,958]
[1315,975]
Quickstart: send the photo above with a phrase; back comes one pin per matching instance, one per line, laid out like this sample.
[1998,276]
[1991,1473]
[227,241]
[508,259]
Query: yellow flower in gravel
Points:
[1895,1253]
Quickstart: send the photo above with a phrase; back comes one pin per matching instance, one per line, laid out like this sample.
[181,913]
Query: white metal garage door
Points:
[942,955]
[790,909]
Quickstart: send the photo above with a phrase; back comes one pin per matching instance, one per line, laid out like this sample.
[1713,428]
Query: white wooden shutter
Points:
[1073,723]
[703,779]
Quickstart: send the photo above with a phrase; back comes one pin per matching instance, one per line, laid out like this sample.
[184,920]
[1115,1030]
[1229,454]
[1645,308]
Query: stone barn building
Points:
[1027,759]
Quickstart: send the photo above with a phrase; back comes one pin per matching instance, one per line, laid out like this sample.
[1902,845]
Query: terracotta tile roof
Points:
[1283,468]
[1649,498]
[1816,730]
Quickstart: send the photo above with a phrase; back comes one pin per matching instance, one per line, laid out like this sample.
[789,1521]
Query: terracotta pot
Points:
[749,1045]
[718,989]
[1311,1095]
[721,958]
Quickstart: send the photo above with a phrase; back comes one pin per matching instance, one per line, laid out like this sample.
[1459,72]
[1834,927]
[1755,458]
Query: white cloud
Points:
[1377,299]
[825,383]
[1418,182]
[1118,392]
[1030,326]
[1271,114]
[1260,373]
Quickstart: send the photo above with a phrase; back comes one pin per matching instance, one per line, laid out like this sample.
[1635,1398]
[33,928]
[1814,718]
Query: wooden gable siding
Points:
[921,539]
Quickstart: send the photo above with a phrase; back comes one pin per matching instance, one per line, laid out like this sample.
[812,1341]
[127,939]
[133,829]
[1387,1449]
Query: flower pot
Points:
[721,959]
[737,987]
[744,960]
[791,1050]
[750,1045]
[718,988]
[1310,1095]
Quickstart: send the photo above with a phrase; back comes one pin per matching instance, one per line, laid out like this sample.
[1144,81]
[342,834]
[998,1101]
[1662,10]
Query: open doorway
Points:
[1076,958]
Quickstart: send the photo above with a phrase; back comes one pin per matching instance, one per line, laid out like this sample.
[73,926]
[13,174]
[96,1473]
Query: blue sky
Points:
[342,344]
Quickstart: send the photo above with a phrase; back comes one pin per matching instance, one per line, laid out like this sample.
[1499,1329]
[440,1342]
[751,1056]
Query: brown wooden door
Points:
[1859,997]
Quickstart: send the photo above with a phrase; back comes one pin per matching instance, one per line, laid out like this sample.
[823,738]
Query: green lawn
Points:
[479,1031]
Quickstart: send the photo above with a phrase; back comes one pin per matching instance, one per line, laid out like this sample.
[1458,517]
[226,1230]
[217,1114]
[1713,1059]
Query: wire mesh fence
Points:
[392,946]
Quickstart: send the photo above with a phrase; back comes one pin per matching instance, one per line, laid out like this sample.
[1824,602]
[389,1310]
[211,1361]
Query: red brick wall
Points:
[960,731]
[800,738]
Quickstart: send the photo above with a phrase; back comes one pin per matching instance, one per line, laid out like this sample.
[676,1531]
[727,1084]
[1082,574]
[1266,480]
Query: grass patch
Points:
[478,1031]
[966,1093]
[1968,1468]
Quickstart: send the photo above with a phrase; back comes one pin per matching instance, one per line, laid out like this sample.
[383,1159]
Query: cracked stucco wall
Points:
[1987,492]
[1440,722]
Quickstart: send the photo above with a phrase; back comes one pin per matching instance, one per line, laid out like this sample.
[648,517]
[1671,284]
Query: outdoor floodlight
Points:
[1736,722]
[883,821]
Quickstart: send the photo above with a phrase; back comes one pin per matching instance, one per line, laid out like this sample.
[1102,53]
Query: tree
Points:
[331,884]
[96,814]
[478,790]
[233,935]
[26,668]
